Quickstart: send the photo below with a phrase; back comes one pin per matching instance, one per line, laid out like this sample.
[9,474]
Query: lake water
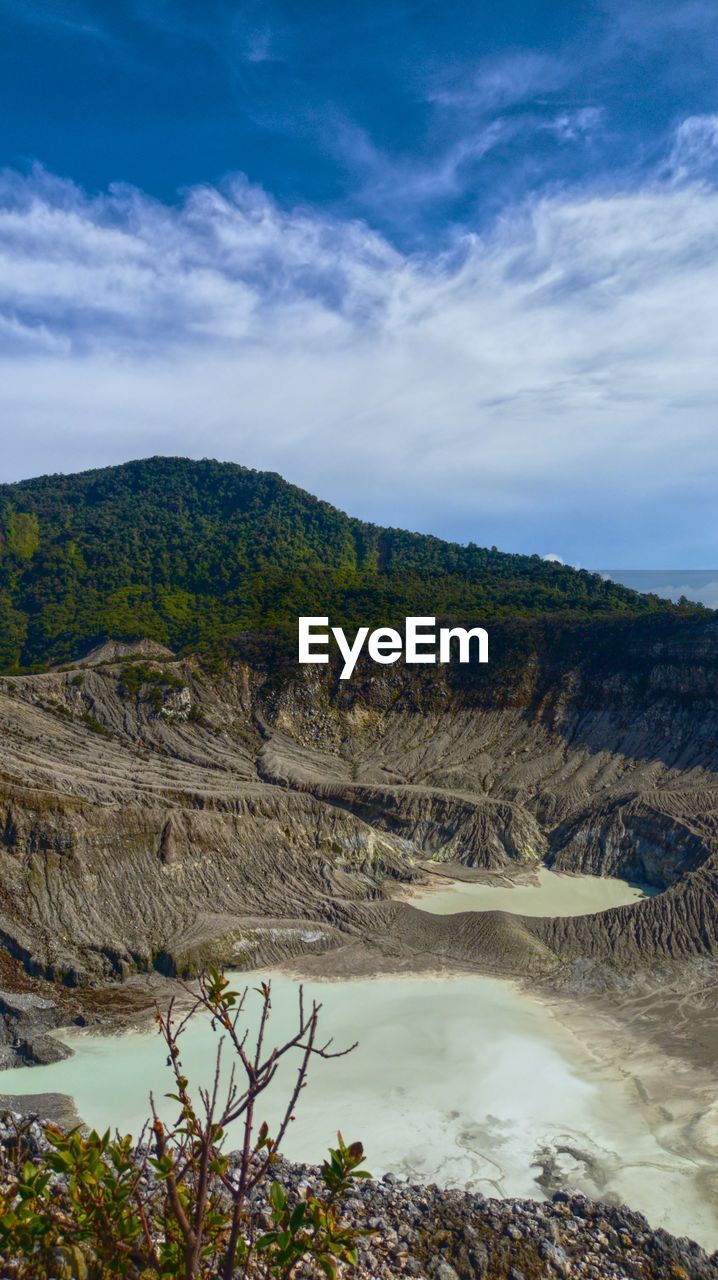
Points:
[466,1081]
[459,1080]
[556,894]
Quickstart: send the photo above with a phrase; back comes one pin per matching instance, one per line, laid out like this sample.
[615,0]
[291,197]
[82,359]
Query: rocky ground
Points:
[454,1235]
[146,828]
[426,1231]
[151,821]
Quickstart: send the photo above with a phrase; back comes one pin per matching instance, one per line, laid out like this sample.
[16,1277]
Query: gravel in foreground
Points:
[427,1231]
[440,1234]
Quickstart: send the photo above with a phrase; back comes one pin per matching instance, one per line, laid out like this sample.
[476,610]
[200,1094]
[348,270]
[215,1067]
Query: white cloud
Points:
[554,379]
[576,124]
[700,586]
[695,148]
[408,183]
[706,594]
[499,82]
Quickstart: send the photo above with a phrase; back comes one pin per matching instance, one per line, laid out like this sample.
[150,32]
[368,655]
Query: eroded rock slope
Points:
[157,813]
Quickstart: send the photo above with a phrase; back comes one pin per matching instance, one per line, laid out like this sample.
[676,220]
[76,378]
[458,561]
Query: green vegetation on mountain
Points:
[192,553]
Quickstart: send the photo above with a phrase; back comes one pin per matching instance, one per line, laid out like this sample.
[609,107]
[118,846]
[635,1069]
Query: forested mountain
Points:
[191,553]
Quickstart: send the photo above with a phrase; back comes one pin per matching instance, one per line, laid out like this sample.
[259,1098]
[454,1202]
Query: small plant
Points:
[95,725]
[312,1227]
[139,676]
[175,1204]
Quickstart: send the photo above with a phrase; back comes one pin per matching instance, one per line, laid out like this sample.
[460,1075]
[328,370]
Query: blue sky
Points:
[451,266]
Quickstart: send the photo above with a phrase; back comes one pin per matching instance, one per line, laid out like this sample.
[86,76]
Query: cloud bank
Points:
[552,381]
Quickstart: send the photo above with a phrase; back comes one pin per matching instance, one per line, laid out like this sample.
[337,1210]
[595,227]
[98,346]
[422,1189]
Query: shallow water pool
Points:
[460,1080]
[555,894]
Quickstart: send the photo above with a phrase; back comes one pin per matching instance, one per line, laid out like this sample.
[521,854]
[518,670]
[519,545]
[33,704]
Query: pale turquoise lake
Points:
[555,894]
[462,1080]
[459,1080]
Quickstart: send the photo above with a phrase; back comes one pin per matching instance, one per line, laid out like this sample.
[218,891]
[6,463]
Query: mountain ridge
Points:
[190,553]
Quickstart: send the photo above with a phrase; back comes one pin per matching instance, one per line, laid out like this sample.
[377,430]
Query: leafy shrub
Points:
[140,680]
[174,1203]
[137,675]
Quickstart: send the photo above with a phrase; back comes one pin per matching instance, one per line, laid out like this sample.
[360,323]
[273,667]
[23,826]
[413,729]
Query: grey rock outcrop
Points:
[119,650]
[25,1020]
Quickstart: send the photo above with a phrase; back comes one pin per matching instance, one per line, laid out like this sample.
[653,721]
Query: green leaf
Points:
[265,1241]
[298,1217]
[277,1196]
